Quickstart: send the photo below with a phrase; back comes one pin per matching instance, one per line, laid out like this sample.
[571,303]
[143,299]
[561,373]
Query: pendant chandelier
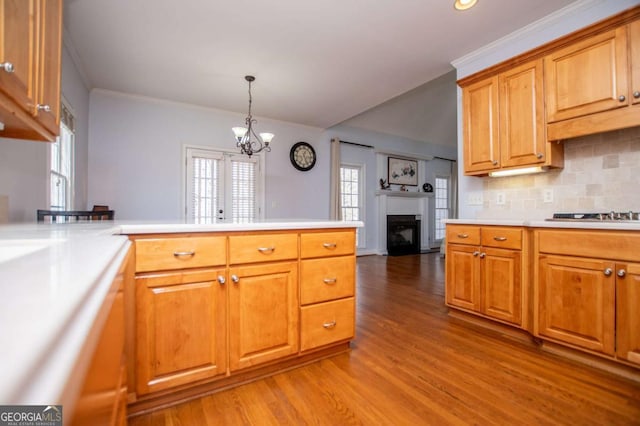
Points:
[246,138]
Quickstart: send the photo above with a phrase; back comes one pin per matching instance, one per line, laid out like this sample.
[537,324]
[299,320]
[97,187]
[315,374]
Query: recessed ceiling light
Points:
[464,4]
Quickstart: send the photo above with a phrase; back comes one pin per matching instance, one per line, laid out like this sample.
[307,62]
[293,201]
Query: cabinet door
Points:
[462,287]
[522,126]
[502,284]
[480,122]
[628,312]
[181,321]
[18,34]
[576,302]
[634,48]
[47,109]
[587,77]
[263,319]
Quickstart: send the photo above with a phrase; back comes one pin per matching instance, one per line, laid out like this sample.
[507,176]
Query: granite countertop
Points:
[619,225]
[54,279]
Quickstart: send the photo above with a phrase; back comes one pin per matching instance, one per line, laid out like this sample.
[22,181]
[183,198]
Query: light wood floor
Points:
[412,364]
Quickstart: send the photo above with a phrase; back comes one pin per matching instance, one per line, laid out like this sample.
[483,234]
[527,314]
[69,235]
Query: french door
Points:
[222,186]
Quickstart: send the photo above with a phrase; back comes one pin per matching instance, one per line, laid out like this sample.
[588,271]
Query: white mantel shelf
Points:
[408,194]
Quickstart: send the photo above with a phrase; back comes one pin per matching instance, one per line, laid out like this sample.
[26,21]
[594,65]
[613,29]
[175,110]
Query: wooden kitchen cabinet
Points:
[327,288]
[103,397]
[484,271]
[588,76]
[504,125]
[587,291]
[481,135]
[30,55]
[181,332]
[634,50]
[263,313]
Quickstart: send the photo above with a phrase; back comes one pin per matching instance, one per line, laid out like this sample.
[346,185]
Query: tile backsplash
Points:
[601,173]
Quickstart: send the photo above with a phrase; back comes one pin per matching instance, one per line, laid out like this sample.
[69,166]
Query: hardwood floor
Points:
[412,364]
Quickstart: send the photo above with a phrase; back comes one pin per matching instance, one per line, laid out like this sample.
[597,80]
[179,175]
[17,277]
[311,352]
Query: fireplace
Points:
[403,234]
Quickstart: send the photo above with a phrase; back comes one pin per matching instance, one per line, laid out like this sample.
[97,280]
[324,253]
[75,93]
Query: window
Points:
[442,205]
[351,182]
[221,186]
[61,165]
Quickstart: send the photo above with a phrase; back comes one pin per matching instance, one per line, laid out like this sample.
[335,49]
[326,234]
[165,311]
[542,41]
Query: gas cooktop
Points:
[597,217]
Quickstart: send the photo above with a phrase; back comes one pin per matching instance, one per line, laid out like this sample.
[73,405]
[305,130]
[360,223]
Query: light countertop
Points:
[620,225]
[54,279]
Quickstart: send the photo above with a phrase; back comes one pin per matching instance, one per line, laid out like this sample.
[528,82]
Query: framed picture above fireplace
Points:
[403,171]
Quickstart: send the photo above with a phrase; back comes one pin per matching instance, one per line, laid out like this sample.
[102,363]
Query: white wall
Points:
[573,17]
[136,148]
[24,167]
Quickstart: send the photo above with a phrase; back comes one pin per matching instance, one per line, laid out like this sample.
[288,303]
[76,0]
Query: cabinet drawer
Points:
[327,243]
[502,237]
[621,246]
[327,279]
[463,234]
[156,254]
[262,248]
[326,323]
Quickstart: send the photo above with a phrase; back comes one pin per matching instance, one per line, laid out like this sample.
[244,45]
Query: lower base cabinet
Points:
[588,291]
[263,319]
[325,323]
[181,333]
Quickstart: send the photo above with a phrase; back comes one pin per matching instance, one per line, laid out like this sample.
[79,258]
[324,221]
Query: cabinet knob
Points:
[636,94]
[43,107]
[621,273]
[494,162]
[622,98]
[607,272]
[483,255]
[539,156]
[7,66]
[235,279]
[221,280]
[475,253]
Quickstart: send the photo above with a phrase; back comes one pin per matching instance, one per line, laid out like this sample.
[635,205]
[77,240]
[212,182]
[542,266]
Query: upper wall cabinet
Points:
[504,124]
[588,76]
[593,85]
[30,57]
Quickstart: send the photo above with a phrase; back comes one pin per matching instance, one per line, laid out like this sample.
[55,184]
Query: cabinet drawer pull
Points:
[266,249]
[7,66]
[330,280]
[184,253]
[43,107]
[500,238]
[463,235]
[329,325]
[329,245]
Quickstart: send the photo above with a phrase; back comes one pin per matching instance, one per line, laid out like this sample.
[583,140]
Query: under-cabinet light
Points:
[515,172]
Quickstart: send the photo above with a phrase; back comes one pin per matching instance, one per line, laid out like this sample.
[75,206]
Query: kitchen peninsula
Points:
[203,306]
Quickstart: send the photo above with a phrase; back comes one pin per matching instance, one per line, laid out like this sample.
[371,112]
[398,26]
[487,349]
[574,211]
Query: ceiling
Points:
[316,63]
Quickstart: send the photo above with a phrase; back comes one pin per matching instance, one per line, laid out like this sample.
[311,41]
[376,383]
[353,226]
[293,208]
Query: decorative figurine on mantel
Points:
[384,184]
[403,188]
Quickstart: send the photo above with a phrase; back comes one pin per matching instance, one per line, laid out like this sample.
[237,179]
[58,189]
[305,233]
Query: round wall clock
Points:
[303,156]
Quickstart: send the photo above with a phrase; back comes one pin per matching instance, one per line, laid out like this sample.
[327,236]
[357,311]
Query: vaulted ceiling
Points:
[316,63]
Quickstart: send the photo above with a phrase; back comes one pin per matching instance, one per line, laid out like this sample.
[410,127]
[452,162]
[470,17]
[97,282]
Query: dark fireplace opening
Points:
[403,234]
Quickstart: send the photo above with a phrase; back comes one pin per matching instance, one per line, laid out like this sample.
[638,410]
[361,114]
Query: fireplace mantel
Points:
[409,194]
